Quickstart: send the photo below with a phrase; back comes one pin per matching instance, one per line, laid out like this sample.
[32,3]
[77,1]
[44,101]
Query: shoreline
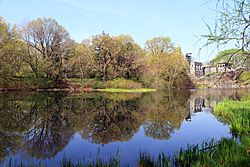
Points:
[109,90]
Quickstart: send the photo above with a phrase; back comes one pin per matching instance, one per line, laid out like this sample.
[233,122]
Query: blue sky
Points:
[181,20]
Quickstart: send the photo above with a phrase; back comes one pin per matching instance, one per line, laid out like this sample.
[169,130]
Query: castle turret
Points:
[189,58]
[195,68]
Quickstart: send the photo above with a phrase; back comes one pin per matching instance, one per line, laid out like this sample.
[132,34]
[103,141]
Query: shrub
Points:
[122,83]
[27,83]
[87,83]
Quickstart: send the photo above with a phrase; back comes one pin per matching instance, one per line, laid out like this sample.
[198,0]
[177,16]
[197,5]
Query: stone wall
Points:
[196,69]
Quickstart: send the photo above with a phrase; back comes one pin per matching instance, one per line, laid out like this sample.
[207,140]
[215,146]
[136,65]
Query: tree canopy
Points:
[49,43]
[41,54]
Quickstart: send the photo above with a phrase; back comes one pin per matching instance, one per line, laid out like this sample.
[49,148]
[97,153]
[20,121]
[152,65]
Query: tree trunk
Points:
[105,71]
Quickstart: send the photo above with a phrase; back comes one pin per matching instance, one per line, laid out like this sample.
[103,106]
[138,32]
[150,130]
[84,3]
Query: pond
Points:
[46,127]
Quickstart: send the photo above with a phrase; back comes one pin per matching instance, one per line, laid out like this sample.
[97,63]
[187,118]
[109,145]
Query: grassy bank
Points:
[119,85]
[119,90]
[236,114]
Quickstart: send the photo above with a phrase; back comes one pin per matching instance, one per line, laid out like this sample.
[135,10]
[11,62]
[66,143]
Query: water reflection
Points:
[41,125]
[164,112]
[111,120]
[38,121]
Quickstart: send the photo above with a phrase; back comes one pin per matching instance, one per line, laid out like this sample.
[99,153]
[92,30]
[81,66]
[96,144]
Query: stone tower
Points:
[189,58]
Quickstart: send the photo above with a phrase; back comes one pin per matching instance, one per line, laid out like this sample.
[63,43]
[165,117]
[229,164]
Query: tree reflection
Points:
[111,120]
[50,131]
[9,143]
[42,124]
[165,113]
[158,129]
[13,122]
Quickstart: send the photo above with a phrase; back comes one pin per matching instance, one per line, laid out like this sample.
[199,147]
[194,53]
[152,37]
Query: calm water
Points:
[46,127]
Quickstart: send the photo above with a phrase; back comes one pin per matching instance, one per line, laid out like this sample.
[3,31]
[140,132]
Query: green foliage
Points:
[113,162]
[224,55]
[226,152]
[43,49]
[37,83]
[120,90]
[146,160]
[157,51]
[122,83]
[80,64]
[87,83]
[245,77]
[175,71]
[167,70]
[231,28]
[48,45]
[201,86]
[158,46]
[245,140]
[10,52]
[119,83]
[115,56]
[236,114]
[234,56]
[28,83]
[115,85]
[193,155]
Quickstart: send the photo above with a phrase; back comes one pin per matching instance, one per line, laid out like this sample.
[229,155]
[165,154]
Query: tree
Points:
[105,49]
[34,59]
[52,42]
[157,50]
[116,56]
[167,67]
[231,26]
[128,63]
[164,112]
[10,52]
[158,46]
[175,70]
[81,62]
[237,61]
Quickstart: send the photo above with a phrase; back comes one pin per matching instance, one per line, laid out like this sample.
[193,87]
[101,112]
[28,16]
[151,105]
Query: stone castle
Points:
[198,69]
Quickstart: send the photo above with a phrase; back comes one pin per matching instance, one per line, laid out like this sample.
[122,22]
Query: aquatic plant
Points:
[147,160]
[236,114]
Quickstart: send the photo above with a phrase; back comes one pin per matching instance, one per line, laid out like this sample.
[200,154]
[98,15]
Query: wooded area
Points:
[43,54]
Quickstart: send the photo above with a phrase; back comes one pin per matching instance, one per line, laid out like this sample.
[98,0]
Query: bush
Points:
[87,83]
[97,84]
[122,83]
[26,83]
